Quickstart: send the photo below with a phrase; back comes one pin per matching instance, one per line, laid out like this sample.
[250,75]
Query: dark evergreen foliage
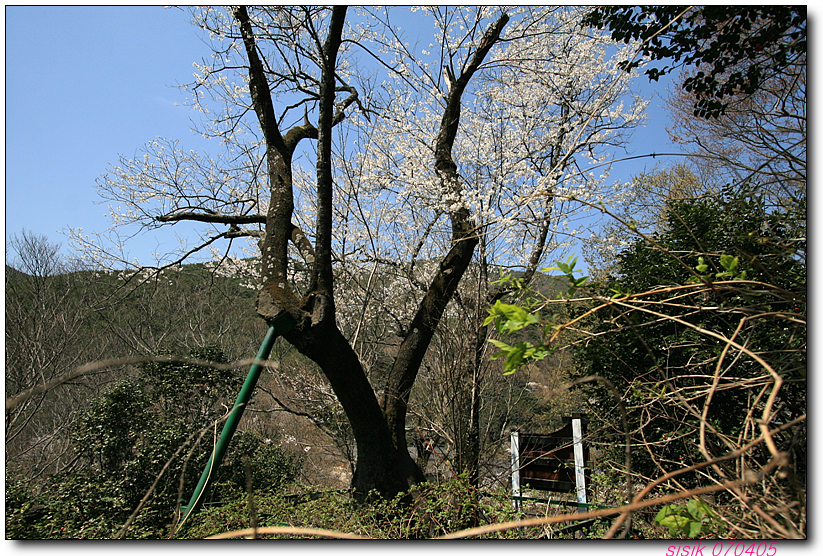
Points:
[129,435]
[735,48]
[650,357]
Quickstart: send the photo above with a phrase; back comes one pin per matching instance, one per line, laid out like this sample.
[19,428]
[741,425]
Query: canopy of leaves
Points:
[735,47]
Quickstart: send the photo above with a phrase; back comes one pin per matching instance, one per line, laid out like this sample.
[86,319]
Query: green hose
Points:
[282,324]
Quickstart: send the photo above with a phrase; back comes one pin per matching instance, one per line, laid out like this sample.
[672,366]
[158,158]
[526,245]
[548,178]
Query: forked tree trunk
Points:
[383,462]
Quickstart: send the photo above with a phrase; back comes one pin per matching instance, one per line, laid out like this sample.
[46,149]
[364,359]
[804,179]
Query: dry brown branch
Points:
[16,400]
[250,532]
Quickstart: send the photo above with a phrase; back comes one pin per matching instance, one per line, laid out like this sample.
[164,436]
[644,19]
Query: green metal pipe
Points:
[280,325]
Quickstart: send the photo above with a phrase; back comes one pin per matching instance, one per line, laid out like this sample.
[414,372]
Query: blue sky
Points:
[97,82]
[102,83]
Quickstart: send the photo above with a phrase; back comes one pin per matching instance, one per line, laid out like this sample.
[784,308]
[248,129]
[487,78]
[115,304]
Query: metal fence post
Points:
[515,447]
[579,464]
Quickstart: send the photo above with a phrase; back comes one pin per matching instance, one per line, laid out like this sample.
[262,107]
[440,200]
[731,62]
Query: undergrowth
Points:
[428,510]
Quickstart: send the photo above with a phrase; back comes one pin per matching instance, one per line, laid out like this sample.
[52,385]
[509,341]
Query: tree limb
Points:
[213,218]
[451,269]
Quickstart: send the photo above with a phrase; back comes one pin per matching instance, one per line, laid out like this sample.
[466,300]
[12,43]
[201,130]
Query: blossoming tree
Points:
[367,173]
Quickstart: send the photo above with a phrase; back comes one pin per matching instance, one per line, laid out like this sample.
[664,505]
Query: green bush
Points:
[271,468]
[129,434]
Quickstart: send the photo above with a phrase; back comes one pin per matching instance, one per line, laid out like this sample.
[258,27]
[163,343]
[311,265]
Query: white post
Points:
[515,447]
[579,470]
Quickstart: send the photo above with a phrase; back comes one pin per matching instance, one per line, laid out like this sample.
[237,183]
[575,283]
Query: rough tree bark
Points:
[383,461]
[451,270]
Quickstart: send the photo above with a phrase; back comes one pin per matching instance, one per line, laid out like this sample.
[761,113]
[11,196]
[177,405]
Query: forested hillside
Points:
[108,432]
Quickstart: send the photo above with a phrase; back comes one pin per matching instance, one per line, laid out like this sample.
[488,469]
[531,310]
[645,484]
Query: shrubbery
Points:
[141,428]
[428,510]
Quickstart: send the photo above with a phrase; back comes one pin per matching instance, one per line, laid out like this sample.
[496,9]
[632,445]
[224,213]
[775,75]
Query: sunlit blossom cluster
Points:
[539,123]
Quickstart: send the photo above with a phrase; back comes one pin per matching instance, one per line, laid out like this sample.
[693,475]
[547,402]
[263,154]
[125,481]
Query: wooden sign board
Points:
[554,462]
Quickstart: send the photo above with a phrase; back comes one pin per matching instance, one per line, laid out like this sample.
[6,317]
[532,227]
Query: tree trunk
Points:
[377,466]
[453,266]
[383,460]
[473,440]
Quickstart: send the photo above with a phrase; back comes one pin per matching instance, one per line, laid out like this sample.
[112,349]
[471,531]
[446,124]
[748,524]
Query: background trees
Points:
[738,107]
[409,169]
[643,205]
[714,357]
[49,331]
[698,232]
[759,142]
[132,446]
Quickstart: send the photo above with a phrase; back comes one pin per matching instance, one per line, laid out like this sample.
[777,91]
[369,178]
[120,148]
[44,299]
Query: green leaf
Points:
[693,509]
[729,263]
[503,346]
[517,354]
[675,522]
[510,318]
[513,360]
[694,528]
[566,268]
[699,508]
